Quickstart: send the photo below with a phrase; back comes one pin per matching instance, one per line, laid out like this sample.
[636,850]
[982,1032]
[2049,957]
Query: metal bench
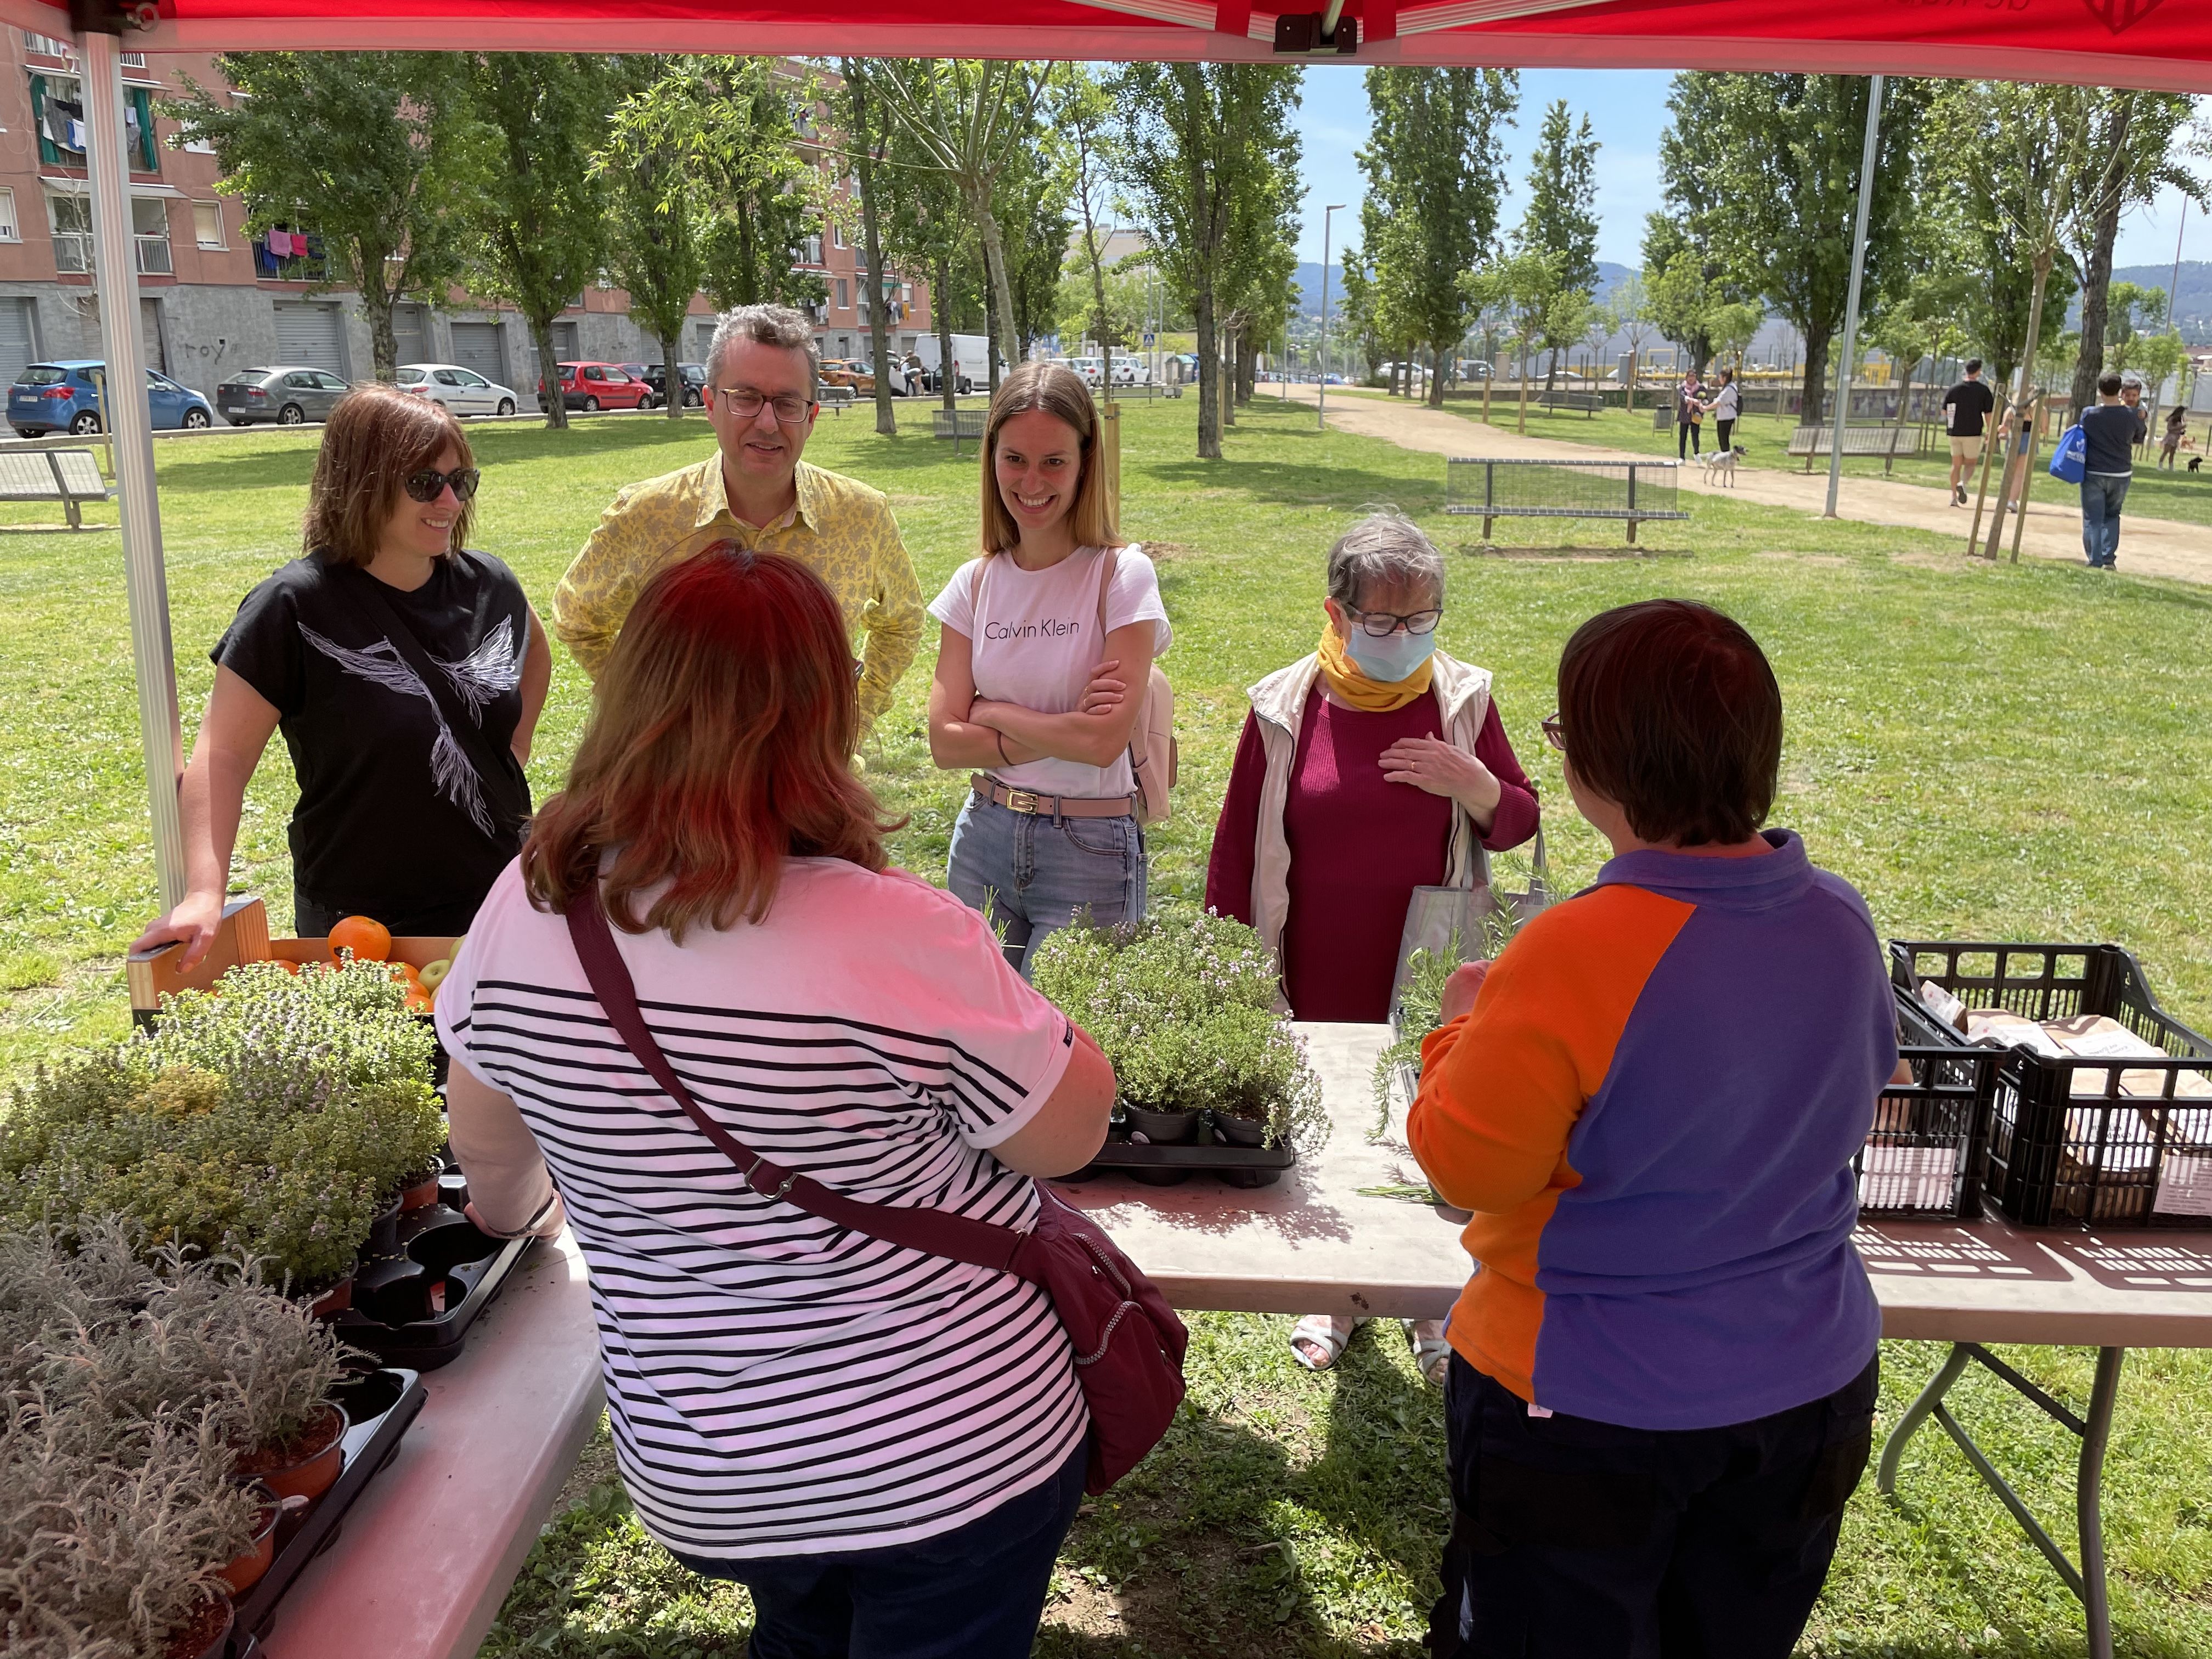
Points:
[1589,402]
[840,398]
[1632,491]
[956,424]
[68,476]
[1888,441]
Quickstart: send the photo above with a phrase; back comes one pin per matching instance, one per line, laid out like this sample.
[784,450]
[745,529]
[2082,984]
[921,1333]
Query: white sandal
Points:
[1432,1352]
[1328,1333]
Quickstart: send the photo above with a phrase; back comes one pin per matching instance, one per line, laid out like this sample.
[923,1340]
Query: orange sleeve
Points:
[1501,1089]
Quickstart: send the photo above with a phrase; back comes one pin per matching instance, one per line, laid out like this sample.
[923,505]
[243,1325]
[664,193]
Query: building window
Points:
[149,228]
[58,118]
[207,223]
[134,60]
[9,231]
[836,234]
[810,250]
[199,146]
[46,46]
[844,296]
[70,219]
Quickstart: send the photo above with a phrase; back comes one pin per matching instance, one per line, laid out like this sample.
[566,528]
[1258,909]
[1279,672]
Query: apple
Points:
[434,973]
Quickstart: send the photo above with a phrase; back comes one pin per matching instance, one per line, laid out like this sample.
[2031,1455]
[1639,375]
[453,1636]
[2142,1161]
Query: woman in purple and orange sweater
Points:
[1376,765]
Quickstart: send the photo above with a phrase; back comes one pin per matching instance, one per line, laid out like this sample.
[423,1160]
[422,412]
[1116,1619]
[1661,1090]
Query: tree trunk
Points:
[2096,297]
[1813,396]
[1209,382]
[1002,295]
[672,375]
[1551,373]
[2015,468]
[941,305]
[1522,427]
[376,310]
[549,372]
[1490,375]
[871,238]
[1436,360]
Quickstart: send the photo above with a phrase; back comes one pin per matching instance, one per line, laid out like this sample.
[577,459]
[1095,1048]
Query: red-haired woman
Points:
[406,672]
[1042,636]
[884,1446]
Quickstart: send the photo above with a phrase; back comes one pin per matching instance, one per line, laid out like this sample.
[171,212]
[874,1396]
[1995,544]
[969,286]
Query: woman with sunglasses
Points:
[1373,766]
[406,674]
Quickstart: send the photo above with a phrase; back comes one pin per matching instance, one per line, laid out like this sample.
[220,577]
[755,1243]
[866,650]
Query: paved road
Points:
[2153,547]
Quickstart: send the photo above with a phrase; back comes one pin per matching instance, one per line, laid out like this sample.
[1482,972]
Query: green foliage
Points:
[652,248]
[1434,162]
[1420,1008]
[380,153]
[273,1118]
[1562,221]
[128,1389]
[1183,1004]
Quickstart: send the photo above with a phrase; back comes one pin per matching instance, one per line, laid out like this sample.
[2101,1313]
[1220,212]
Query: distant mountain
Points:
[2193,312]
[1308,281]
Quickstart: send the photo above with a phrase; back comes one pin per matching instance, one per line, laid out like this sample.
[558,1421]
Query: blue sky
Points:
[1627,110]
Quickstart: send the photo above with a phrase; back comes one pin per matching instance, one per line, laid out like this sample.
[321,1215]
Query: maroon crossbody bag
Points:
[1128,1343]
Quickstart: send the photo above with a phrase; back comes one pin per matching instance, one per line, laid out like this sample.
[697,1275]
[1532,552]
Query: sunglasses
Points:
[1554,734]
[424,486]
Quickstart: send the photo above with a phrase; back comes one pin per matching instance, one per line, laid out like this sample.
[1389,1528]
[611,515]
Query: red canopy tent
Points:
[2159,44]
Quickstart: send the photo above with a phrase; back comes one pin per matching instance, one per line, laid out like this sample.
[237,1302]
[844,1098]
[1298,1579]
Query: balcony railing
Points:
[72,251]
[154,257]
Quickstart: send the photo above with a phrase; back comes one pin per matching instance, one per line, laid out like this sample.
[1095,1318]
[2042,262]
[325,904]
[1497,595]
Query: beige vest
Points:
[1462,694]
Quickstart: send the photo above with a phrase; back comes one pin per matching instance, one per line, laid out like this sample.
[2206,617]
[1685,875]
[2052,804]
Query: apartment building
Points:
[214,299]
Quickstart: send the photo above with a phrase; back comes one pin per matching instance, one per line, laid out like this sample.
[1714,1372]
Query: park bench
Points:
[1589,402]
[840,398]
[68,476]
[955,424]
[1888,441]
[1632,491]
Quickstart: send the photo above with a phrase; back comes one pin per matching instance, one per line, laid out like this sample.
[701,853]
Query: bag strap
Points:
[462,721]
[980,1244]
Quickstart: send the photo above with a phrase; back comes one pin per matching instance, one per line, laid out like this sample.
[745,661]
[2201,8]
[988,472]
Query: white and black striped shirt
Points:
[778,1385]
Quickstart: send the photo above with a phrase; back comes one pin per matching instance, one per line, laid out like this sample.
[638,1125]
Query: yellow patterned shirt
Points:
[840,529]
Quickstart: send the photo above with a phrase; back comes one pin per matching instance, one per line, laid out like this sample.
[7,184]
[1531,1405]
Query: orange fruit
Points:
[286,963]
[369,941]
[418,1001]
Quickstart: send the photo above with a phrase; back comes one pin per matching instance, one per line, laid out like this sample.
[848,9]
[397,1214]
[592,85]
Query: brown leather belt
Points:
[1064,807]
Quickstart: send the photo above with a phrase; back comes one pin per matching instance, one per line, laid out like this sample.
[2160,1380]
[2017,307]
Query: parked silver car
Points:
[461,390]
[287,396]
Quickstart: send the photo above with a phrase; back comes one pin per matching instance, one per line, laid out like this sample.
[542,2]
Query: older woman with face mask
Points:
[1373,766]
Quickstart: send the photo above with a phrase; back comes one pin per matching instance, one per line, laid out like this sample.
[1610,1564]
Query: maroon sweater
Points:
[1359,845]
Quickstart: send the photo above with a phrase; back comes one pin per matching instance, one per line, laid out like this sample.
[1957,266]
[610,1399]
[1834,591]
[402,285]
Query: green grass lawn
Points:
[2177,495]
[2010,752]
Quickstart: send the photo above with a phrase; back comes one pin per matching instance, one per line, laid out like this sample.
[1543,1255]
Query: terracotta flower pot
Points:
[329,1303]
[243,1572]
[307,1466]
[208,1636]
[421,1192]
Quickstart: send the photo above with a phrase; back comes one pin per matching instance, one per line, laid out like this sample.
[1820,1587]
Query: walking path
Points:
[2149,546]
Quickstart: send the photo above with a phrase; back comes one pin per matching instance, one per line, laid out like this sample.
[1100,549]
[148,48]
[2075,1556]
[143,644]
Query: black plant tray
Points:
[400,1328]
[1170,1166]
[380,1406]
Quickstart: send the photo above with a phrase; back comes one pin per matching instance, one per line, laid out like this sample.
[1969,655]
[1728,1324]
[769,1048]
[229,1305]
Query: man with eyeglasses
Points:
[762,373]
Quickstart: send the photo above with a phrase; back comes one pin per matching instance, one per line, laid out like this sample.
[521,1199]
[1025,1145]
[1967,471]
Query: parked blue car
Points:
[60,396]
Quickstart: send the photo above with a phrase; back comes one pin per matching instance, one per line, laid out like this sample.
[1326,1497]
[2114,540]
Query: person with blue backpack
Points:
[2098,453]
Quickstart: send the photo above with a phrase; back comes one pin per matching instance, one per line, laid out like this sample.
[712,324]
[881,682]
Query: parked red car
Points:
[598,386]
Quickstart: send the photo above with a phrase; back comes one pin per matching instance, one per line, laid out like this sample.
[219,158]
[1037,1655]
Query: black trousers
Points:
[1689,438]
[1574,1538]
[1727,430]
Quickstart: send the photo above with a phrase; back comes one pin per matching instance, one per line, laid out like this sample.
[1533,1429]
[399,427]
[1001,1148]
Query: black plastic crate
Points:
[421,1323]
[1927,1152]
[2083,1140]
[1209,1152]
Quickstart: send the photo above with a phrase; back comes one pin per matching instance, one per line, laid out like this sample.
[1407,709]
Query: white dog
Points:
[1721,465]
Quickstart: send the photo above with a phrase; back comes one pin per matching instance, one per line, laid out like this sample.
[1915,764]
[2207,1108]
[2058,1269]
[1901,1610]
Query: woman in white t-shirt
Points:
[1028,694]
[884,1446]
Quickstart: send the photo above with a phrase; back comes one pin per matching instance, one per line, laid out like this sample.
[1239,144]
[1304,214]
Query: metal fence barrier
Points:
[1631,491]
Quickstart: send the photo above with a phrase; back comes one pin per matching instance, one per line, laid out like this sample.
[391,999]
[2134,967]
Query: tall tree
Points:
[865,147]
[1562,214]
[971,118]
[1530,290]
[378,154]
[1631,310]
[653,250]
[1033,208]
[1199,138]
[1090,155]
[2132,142]
[1683,302]
[926,227]
[1434,162]
[543,215]
[1780,216]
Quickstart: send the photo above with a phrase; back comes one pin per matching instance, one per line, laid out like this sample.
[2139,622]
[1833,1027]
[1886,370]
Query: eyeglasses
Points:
[745,403]
[1381,624]
[1555,734]
[425,486]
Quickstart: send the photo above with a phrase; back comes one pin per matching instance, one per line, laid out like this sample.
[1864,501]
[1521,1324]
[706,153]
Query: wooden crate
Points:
[243,936]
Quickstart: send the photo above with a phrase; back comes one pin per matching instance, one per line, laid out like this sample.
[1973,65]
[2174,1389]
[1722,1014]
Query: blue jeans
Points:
[1031,874]
[976,1592]
[2101,495]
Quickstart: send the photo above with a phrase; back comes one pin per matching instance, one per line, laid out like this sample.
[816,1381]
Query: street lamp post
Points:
[1321,387]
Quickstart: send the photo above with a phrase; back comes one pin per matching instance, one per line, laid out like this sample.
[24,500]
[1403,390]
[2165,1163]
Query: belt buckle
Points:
[1024,800]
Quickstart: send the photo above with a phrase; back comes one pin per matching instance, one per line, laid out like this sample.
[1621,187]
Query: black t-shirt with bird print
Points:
[395,818]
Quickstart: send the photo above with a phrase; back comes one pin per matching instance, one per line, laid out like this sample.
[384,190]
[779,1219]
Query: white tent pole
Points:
[115,276]
[1851,304]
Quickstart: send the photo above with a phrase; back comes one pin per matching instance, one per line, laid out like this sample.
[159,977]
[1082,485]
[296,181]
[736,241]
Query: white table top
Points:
[1315,1242]
[426,1555]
